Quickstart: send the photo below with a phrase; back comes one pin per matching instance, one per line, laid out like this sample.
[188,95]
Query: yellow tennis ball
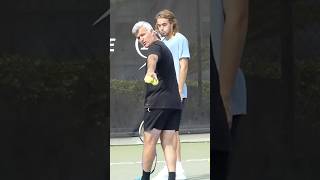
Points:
[148,79]
[155,82]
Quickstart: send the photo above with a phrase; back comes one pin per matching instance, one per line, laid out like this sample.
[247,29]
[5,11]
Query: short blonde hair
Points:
[140,24]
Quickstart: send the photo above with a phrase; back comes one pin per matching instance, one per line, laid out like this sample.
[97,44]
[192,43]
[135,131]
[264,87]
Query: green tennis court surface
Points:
[125,157]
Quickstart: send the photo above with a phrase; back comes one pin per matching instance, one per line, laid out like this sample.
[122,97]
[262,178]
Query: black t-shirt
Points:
[165,95]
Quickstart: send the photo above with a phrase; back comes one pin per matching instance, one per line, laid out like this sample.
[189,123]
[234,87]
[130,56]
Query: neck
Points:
[170,35]
[155,39]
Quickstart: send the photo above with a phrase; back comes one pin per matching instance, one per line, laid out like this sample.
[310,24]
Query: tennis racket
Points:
[141,137]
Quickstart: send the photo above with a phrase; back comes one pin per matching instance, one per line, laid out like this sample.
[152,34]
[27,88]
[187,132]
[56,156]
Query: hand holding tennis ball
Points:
[150,80]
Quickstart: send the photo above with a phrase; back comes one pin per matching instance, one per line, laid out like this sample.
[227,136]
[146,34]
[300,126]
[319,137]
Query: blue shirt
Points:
[179,47]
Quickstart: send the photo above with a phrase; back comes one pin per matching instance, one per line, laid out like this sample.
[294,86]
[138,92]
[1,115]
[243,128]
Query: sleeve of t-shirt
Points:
[184,50]
[154,49]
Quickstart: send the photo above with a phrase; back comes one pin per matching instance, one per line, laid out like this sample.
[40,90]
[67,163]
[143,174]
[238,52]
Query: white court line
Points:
[139,162]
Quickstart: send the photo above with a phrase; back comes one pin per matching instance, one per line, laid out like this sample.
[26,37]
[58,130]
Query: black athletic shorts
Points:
[162,119]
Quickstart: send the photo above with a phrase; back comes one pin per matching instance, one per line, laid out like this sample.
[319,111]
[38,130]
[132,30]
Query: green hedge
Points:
[138,87]
[32,79]
[35,78]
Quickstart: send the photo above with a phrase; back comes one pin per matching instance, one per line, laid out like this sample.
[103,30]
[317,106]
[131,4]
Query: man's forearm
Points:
[233,40]
[183,73]
[151,63]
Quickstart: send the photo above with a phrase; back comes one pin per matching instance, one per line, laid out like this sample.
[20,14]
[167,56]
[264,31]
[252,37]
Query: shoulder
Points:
[156,45]
[180,36]
[155,48]
[181,39]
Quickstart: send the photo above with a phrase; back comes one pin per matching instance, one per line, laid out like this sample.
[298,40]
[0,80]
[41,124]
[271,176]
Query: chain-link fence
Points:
[52,89]
[306,124]
[277,139]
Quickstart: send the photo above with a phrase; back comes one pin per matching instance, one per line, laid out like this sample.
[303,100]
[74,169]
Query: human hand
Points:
[227,107]
[180,94]
[151,78]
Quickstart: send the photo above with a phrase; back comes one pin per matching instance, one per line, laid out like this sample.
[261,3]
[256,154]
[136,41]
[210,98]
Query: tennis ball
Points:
[148,79]
[155,82]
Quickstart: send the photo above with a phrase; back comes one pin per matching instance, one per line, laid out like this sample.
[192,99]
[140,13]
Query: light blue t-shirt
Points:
[239,91]
[179,48]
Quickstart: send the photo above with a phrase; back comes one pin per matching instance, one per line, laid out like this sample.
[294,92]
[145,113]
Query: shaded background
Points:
[53,101]
[278,139]
[127,86]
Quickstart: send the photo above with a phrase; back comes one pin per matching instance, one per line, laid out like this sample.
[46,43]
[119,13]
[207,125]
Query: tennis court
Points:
[125,157]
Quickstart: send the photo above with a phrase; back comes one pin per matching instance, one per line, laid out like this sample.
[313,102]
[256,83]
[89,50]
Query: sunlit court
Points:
[125,157]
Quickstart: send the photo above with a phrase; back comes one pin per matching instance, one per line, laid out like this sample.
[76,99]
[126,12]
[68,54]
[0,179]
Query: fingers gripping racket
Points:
[141,137]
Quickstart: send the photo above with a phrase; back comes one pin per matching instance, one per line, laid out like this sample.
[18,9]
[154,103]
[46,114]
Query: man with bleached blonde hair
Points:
[162,101]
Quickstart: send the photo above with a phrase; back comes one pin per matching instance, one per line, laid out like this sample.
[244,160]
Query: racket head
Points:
[141,131]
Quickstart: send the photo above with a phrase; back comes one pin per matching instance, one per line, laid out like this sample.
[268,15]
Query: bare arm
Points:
[233,40]
[183,73]
[151,65]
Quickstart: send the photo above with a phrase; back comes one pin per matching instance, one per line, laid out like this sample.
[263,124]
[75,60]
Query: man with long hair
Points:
[229,29]
[166,24]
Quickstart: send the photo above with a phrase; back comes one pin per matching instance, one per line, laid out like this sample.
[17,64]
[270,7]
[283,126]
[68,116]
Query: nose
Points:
[141,40]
